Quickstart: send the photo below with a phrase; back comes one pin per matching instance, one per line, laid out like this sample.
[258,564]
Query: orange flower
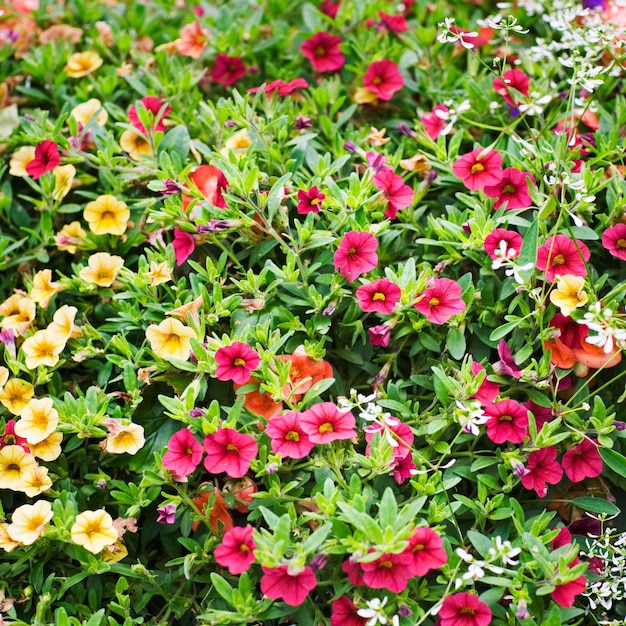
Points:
[260,403]
[193,40]
[218,515]
[304,372]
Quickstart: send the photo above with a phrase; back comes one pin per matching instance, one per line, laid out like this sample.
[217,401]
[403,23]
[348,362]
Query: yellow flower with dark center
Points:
[19,312]
[569,294]
[107,215]
[43,288]
[43,348]
[102,269]
[159,273]
[38,420]
[20,159]
[82,63]
[36,481]
[135,144]
[28,522]
[70,237]
[84,111]
[63,180]
[170,339]
[47,450]
[16,394]
[93,530]
[15,462]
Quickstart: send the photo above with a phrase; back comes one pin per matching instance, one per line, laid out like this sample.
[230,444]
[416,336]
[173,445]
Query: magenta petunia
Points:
[512,190]
[354,571]
[479,168]
[614,240]
[508,422]
[379,335]
[282,88]
[436,121]
[184,453]
[488,391]
[310,201]
[389,571]
[46,159]
[506,364]
[397,433]
[184,245]
[279,583]
[227,70]
[236,552]
[502,245]
[379,296]
[393,23]
[542,469]
[464,609]
[322,50]
[325,422]
[582,461]
[561,255]
[395,192]
[153,105]
[403,467]
[383,78]
[356,254]
[344,613]
[426,549]
[565,593]
[440,300]
[236,362]
[288,437]
[229,451]
[512,80]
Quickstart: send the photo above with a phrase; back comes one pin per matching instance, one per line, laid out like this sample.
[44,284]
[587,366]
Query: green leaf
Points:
[614,461]
[596,505]
[388,509]
[176,140]
[528,253]
[222,587]
[480,542]
[456,343]
[505,329]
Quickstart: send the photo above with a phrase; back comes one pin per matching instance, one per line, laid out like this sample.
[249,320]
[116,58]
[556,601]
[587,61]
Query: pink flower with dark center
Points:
[506,364]
[488,391]
[395,192]
[464,609]
[560,255]
[614,240]
[479,168]
[322,50]
[288,437]
[229,451]
[153,105]
[310,201]
[393,23]
[236,362]
[344,613]
[184,453]
[389,571]
[184,245]
[236,552]
[356,254]
[383,79]
[325,422]
[441,300]
[508,422]
[436,121]
[10,438]
[379,296]
[330,8]
[227,70]
[379,335]
[426,548]
[542,469]
[512,80]
[398,432]
[46,159]
[582,461]
[502,244]
[511,190]
[279,584]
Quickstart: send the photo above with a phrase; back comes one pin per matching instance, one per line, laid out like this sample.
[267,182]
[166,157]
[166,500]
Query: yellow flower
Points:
[69,237]
[102,269]
[47,450]
[15,462]
[63,180]
[377,137]
[416,163]
[107,215]
[83,112]
[135,144]
[114,553]
[38,419]
[63,323]
[364,96]
[124,439]
[28,522]
[4,375]
[82,63]
[159,273]
[569,294]
[16,394]
[6,543]
[238,143]
[93,530]
[20,159]
[43,288]
[19,312]
[43,348]
[189,311]
[170,339]
[36,481]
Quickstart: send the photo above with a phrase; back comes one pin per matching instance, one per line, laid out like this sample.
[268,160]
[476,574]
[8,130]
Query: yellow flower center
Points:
[239,362]
[434,302]
[292,435]
[379,296]
[621,244]
[559,259]
[508,189]
[386,564]
[477,167]
[231,447]
[467,610]
[506,418]
[326,427]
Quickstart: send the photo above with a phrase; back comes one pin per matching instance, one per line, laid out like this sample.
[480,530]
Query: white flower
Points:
[374,612]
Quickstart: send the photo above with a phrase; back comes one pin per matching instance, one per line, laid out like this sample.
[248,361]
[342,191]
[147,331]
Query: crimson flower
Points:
[279,583]
[184,245]
[46,159]
[229,451]
[393,23]
[506,364]
[344,613]
[582,461]
[440,301]
[512,79]
[236,552]
[426,548]
[227,70]
[184,453]
[565,593]
[502,244]
[614,240]
[389,571]
[403,468]
[356,254]
[330,8]
[395,192]
[322,50]
[479,168]
[464,609]
[508,422]
[383,79]
[511,190]
[10,438]
[379,296]
[310,201]
[560,255]
[283,88]
[436,121]
[236,362]
[153,105]
[379,335]
[324,422]
[542,469]
[354,570]
[542,414]
[288,437]
[488,391]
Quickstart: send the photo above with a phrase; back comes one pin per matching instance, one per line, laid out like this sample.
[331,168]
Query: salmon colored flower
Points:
[102,269]
[569,294]
[356,254]
[61,32]
[236,362]
[236,552]
[38,420]
[93,530]
[479,168]
[16,394]
[136,145]
[220,519]
[258,401]
[210,182]
[46,159]
[561,255]
[170,339]
[229,451]
[193,40]
[14,463]
[107,215]
[322,50]
[44,288]
[159,273]
[70,237]
[28,522]
[383,79]
[20,159]
[304,372]
[440,300]
[82,63]
[85,111]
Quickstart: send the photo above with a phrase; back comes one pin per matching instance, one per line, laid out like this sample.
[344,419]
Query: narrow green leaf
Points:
[614,460]
[222,587]
[596,505]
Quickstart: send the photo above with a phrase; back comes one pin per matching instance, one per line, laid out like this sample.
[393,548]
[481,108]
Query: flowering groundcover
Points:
[312,312]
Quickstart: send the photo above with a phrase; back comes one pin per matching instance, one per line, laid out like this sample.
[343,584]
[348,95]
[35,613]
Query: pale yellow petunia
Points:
[93,530]
[43,348]
[28,522]
[106,215]
[20,159]
[82,63]
[44,288]
[102,269]
[569,294]
[170,339]
[38,420]
[15,462]
[16,394]
[47,450]
[84,111]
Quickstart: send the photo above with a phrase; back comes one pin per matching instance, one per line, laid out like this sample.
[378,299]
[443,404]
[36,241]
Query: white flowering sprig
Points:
[601,320]
[452,35]
[375,613]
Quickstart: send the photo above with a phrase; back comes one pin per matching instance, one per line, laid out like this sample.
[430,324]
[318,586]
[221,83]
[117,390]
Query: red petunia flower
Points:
[565,594]
[488,391]
[560,255]
[393,23]
[210,182]
[344,613]
[436,121]
[542,469]
[46,159]
[279,583]
[288,436]
[153,105]
[220,518]
[512,79]
[184,453]
[325,422]
[426,548]
[356,254]
[502,245]
[330,8]
[310,201]
[354,570]
[440,301]
[227,70]
[236,552]
[236,362]
[383,79]
[508,422]
[395,192]
[379,296]
[614,240]
[184,245]
[511,190]
[389,571]
[479,168]
[322,50]
[542,414]
[582,461]
[464,609]
[229,451]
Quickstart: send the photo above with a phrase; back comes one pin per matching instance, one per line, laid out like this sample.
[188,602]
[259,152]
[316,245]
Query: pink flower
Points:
[46,159]
[344,613]
[279,583]
[542,469]
[283,88]
[227,70]
[236,362]
[389,571]
[488,391]
[479,168]
[236,552]
[426,548]
[184,453]
[310,201]
[403,468]
[166,514]
[383,78]
[395,192]
[153,105]
[380,335]
[614,240]
[502,244]
[380,296]
[512,79]
[464,609]
[393,23]
[541,414]
[398,432]
[288,437]
[565,594]
[229,451]
[508,422]
[511,189]
[582,461]
[324,422]
[440,301]
[184,245]
[436,121]
[330,8]
[356,254]
[560,255]
[354,571]
[322,50]
[506,364]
